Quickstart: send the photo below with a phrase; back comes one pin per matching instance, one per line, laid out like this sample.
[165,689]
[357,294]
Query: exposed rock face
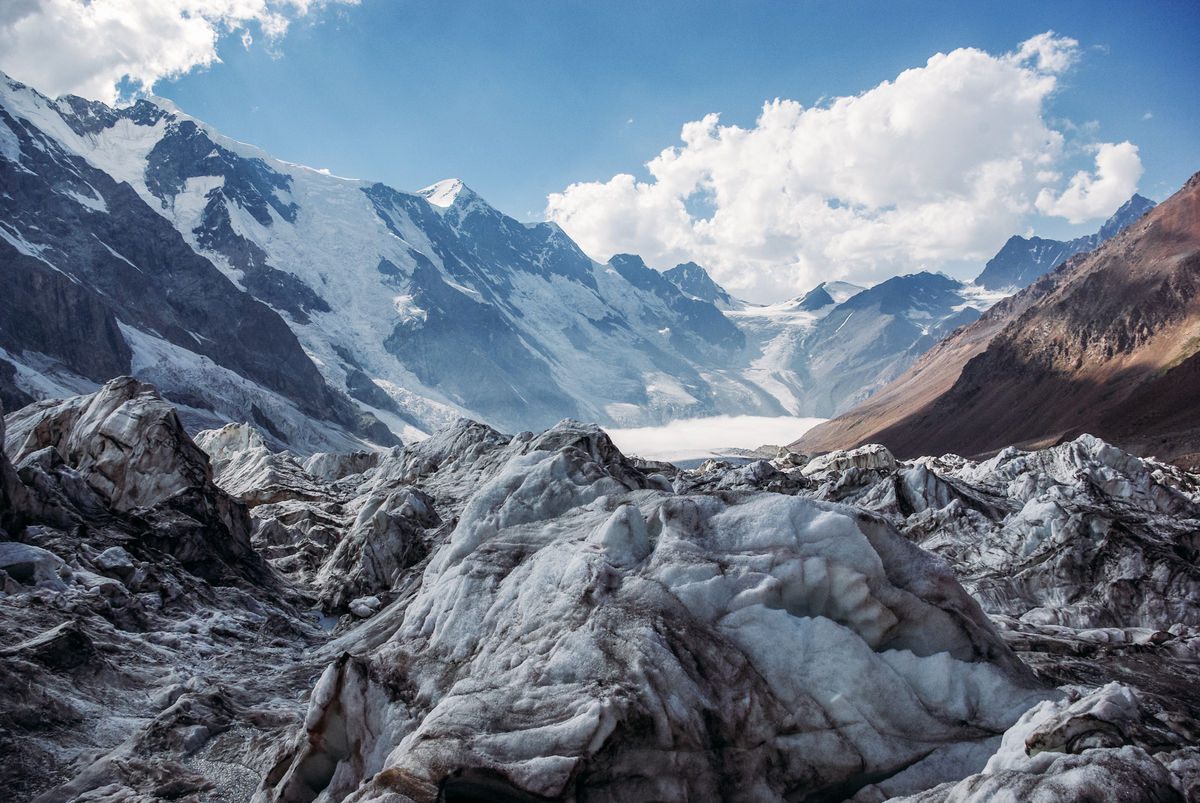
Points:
[1085,349]
[99,284]
[1023,260]
[695,281]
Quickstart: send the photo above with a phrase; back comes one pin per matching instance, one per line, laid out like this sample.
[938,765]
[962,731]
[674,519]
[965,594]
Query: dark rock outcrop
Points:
[1023,260]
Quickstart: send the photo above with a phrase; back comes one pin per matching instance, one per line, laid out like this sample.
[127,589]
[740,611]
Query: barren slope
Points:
[1103,344]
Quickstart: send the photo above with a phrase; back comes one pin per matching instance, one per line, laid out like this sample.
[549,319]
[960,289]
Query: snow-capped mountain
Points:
[695,282]
[328,310]
[421,306]
[1023,259]
[98,284]
[836,345]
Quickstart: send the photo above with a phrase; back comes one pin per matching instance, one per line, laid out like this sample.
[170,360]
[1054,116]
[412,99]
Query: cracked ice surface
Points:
[579,629]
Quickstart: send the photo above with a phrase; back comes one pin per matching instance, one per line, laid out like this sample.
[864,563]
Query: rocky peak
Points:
[1022,260]
[815,299]
[1129,213]
[695,282]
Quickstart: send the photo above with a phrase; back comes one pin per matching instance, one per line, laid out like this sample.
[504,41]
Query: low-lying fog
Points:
[718,436]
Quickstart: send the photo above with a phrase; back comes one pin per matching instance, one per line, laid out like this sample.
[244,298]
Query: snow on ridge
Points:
[443,193]
[980,297]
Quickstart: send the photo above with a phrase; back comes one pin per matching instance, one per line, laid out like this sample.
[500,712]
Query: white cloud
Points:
[1050,53]
[1118,169]
[941,164]
[95,44]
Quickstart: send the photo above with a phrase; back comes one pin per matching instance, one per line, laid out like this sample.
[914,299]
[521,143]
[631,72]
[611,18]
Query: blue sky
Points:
[524,99]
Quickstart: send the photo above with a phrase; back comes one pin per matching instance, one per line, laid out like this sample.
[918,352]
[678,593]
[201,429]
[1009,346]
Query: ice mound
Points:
[581,629]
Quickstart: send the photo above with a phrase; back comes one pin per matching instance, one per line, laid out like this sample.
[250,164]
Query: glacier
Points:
[537,616]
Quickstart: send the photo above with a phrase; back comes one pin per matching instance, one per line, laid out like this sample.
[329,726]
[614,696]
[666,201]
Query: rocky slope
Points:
[538,617]
[1085,348]
[1022,261]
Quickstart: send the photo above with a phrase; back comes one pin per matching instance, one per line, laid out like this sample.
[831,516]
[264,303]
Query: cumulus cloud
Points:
[89,47]
[943,163]
[1088,196]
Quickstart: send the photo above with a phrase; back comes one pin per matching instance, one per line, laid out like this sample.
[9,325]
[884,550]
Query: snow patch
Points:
[93,201]
[407,309]
[10,146]
[112,251]
[443,193]
[44,377]
[232,397]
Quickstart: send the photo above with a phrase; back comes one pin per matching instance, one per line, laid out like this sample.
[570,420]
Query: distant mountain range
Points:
[1023,260]
[1108,343]
[333,312]
[141,241]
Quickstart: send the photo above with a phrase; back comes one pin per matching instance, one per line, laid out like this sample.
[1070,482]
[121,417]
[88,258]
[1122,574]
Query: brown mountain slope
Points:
[1104,344]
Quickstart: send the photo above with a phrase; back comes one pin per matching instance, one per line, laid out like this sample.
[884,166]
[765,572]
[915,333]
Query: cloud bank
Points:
[941,164]
[88,47]
[1117,169]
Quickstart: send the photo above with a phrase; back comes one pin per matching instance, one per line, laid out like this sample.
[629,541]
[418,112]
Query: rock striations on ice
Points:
[537,617]
[580,629]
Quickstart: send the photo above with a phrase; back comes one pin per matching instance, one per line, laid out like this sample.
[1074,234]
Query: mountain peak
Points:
[695,282]
[1022,260]
[1129,212]
[446,192]
[815,299]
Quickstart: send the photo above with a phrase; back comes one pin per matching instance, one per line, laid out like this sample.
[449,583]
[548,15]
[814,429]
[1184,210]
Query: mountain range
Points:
[1107,343]
[333,312]
[1023,260]
[190,611]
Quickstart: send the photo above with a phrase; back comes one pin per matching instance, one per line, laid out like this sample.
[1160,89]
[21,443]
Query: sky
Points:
[779,144]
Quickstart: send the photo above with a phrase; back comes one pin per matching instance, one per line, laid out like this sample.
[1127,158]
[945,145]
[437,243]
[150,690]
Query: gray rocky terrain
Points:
[479,616]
